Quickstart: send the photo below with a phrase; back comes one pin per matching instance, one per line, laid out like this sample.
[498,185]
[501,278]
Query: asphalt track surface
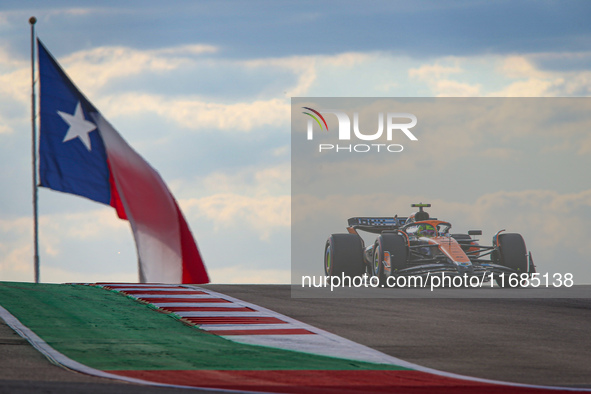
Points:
[534,341]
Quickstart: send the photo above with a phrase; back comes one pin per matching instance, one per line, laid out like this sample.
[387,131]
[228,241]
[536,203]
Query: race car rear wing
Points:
[376,224]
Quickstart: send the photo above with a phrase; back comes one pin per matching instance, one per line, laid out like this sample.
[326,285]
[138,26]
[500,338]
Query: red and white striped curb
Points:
[244,322]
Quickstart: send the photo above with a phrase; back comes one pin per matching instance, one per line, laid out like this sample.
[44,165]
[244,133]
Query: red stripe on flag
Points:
[278,331]
[234,320]
[193,267]
[115,199]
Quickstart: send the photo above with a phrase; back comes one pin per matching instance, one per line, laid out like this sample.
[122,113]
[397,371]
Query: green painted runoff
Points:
[109,331]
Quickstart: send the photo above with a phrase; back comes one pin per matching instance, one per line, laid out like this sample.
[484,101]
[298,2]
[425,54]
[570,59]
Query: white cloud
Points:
[5,127]
[436,75]
[250,181]
[516,67]
[262,213]
[281,151]
[16,251]
[306,67]
[531,87]
[387,87]
[526,79]
[302,66]
[16,85]
[17,262]
[347,59]
[94,68]
[197,114]
[15,226]
[84,225]
[256,198]
[433,71]
[449,88]
[502,76]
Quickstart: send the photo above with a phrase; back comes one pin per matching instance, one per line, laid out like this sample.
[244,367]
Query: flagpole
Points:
[32,21]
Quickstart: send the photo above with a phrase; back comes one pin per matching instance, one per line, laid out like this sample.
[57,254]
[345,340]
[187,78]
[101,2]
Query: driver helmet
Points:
[426,230]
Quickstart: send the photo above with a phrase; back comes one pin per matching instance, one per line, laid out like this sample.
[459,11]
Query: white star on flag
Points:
[79,126]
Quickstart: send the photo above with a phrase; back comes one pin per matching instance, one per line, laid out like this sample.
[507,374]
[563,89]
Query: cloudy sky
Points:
[202,90]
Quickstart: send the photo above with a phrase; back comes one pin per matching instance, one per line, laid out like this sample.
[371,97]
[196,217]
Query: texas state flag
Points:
[81,153]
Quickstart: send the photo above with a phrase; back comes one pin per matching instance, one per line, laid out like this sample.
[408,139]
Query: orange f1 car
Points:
[419,245]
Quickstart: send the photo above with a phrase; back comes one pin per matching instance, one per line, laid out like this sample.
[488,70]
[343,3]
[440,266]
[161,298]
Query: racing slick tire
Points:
[396,246]
[343,255]
[511,253]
